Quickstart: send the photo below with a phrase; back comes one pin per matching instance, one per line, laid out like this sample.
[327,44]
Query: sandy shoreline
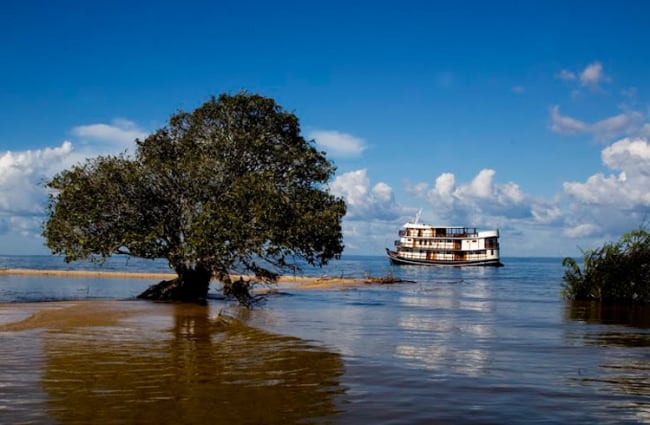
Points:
[85,273]
[301,281]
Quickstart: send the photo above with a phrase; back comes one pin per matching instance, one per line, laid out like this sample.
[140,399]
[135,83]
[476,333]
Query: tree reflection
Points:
[201,370]
[637,316]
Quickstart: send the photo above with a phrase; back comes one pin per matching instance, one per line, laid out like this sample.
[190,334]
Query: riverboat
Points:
[423,244]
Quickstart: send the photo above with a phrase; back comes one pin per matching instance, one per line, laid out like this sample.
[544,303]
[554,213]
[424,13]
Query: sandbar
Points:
[306,282]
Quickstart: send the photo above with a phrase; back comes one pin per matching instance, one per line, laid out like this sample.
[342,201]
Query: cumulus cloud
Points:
[627,123]
[529,225]
[373,216]
[581,230]
[619,201]
[606,204]
[442,192]
[117,136]
[546,213]
[22,175]
[479,201]
[338,144]
[587,212]
[631,186]
[366,201]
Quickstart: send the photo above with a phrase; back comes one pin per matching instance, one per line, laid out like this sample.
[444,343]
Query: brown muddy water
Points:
[458,346]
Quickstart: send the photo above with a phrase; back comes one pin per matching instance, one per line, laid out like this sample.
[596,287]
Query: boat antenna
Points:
[417,216]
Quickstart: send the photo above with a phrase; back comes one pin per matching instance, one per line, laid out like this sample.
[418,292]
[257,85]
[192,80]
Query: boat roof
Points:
[417,225]
[453,229]
[428,226]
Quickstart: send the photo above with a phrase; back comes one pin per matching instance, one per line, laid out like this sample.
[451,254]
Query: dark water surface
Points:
[471,345]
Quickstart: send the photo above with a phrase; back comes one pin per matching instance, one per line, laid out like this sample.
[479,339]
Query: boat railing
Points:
[439,236]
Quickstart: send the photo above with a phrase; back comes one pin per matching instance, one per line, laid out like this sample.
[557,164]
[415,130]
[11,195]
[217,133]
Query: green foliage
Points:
[231,184]
[616,272]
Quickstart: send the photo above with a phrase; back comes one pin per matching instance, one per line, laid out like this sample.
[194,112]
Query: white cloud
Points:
[373,217]
[602,208]
[112,138]
[338,144]
[480,201]
[442,192]
[618,202]
[546,214]
[593,75]
[376,202]
[481,186]
[22,175]
[599,189]
[627,123]
[529,226]
[566,125]
[629,155]
[581,231]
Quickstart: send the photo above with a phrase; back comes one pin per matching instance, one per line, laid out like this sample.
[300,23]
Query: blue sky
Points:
[533,117]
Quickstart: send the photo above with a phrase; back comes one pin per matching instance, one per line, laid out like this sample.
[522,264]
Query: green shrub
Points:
[616,272]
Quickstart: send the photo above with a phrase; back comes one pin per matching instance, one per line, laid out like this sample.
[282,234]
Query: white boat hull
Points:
[396,259]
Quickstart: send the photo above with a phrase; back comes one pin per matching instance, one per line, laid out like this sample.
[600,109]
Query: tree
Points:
[232,185]
[616,272]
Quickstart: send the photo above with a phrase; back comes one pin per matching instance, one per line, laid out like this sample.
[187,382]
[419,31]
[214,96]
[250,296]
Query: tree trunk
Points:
[191,285]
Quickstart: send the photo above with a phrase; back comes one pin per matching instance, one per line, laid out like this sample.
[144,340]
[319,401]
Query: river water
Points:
[458,345]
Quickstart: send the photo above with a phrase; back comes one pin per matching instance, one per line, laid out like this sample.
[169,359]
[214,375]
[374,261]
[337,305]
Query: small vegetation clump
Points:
[387,279]
[614,273]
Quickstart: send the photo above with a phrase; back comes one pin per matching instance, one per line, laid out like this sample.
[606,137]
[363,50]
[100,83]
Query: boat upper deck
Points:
[417,230]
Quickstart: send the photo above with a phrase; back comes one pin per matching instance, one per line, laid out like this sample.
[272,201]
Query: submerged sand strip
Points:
[311,282]
[87,273]
[64,314]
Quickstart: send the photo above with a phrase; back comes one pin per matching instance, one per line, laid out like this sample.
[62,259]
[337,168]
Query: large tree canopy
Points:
[231,185]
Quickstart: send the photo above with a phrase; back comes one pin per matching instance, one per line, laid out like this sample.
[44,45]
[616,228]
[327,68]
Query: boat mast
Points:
[417,216]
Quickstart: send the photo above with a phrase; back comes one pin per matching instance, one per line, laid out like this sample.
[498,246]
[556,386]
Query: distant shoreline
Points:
[301,281]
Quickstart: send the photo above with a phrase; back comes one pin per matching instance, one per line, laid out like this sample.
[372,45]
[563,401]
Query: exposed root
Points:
[241,291]
[175,290]
[388,279]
